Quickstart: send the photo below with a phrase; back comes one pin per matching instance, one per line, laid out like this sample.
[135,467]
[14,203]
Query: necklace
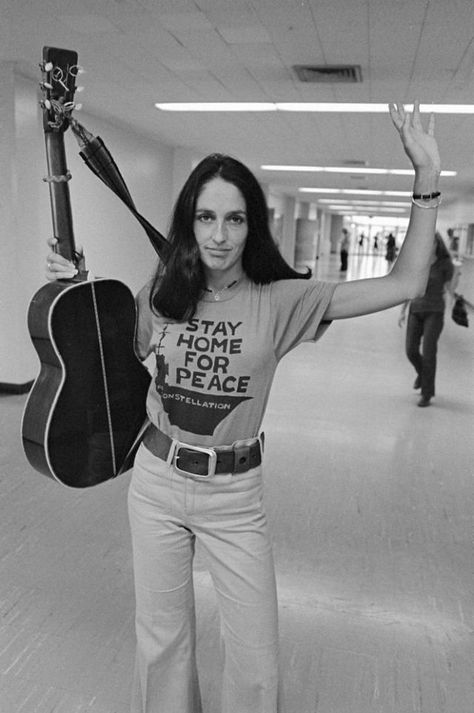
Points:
[217,293]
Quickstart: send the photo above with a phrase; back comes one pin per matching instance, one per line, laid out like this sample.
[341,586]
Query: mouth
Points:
[218,251]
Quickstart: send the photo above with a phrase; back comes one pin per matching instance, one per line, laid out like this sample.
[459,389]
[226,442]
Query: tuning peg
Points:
[79,89]
[76,69]
[46,85]
[78,107]
[48,66]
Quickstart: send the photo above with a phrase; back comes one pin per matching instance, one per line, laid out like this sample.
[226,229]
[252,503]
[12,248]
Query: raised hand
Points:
[420,145]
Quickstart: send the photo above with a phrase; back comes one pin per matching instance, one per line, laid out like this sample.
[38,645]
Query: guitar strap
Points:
[98,158]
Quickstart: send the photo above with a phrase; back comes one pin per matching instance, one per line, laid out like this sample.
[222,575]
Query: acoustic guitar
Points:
[85,412]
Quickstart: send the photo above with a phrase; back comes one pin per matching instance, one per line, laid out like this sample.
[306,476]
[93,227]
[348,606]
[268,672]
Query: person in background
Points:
[426,319]
[391,248]
[453,241]
[344,249]
[217,318]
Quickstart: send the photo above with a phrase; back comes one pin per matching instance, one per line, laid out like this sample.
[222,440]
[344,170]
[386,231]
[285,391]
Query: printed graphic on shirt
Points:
[200,388]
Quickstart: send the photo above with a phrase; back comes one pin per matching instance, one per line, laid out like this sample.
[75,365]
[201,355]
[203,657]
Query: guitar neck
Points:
[59,195]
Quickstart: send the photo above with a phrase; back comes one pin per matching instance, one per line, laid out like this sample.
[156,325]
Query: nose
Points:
[220,233]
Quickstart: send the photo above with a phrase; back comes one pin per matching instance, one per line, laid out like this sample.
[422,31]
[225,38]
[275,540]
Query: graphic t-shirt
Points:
[213,373]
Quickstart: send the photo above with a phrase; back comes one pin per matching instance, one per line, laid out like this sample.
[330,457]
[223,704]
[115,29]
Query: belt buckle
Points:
[173,456]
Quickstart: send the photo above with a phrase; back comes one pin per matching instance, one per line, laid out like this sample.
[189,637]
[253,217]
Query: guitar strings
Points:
[104,377]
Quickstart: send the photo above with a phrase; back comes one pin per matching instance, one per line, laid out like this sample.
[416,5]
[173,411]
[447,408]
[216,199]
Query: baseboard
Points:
[15,388]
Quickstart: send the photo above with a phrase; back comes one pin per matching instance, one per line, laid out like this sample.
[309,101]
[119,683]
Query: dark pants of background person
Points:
[426,326]
[343,255]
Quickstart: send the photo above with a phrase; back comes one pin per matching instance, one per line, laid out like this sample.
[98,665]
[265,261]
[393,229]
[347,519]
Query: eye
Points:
[204,217]
[237,219]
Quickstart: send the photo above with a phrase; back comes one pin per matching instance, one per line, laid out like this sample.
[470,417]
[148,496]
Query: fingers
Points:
[431,125]
[53,244]
[415,117]
[416,122]
[404,120]
[400,117]
[397,114]
[57,267]
[58,270]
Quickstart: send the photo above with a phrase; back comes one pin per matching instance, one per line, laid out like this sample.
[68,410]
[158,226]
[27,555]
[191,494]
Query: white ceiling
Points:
[138,52]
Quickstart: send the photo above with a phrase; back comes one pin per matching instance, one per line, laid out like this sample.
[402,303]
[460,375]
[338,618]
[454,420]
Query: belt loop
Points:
[171,452]
[241,459]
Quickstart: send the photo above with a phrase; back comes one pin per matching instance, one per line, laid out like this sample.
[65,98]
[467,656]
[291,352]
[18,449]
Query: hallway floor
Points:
[371,503]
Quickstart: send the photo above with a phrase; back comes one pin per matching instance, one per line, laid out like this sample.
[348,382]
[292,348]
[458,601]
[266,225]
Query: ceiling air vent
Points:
[349,73]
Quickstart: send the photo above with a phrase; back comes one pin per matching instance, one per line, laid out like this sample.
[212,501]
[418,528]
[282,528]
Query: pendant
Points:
[217,293]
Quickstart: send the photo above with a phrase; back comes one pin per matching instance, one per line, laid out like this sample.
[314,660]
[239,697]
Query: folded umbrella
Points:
[98,158]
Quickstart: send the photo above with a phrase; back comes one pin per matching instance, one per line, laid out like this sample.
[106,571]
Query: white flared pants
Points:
[168,513]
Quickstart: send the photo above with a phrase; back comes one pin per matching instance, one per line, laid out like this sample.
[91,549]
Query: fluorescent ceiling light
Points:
[217,106]
[364,209]
[355,191]
[361,202]
[324,107]
[372,107]
[383,221]
[347,169]
[345,207]
[339,107]
[322,169]
[447,108]
[356,208]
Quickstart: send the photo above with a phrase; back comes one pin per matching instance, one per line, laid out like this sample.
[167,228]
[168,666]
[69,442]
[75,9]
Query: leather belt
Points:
[200,461]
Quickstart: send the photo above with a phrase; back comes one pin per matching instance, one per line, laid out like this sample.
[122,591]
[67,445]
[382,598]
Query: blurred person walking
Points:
[426,320]
[344,249]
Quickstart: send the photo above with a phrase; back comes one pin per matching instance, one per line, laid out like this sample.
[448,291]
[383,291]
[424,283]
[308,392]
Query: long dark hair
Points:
[442,251]
[178,284]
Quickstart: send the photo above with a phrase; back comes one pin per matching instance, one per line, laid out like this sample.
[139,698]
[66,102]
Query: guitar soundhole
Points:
[80,434]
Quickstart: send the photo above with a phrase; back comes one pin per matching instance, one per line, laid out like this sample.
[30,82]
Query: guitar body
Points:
[87,405]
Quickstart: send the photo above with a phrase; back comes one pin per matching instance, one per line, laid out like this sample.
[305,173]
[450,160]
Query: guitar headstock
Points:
[60,69]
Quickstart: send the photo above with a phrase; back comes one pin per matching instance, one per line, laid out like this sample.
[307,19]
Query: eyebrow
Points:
[230,212]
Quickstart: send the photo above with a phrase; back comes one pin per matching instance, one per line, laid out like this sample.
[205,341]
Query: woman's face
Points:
[220,229]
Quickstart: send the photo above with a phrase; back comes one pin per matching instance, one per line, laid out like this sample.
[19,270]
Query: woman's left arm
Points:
[409,275]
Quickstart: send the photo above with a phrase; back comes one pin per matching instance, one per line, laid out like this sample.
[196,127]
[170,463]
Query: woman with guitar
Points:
[217,318]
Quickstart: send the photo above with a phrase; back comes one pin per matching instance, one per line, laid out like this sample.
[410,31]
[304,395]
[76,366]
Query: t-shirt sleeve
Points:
[144,326]
[297,309]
